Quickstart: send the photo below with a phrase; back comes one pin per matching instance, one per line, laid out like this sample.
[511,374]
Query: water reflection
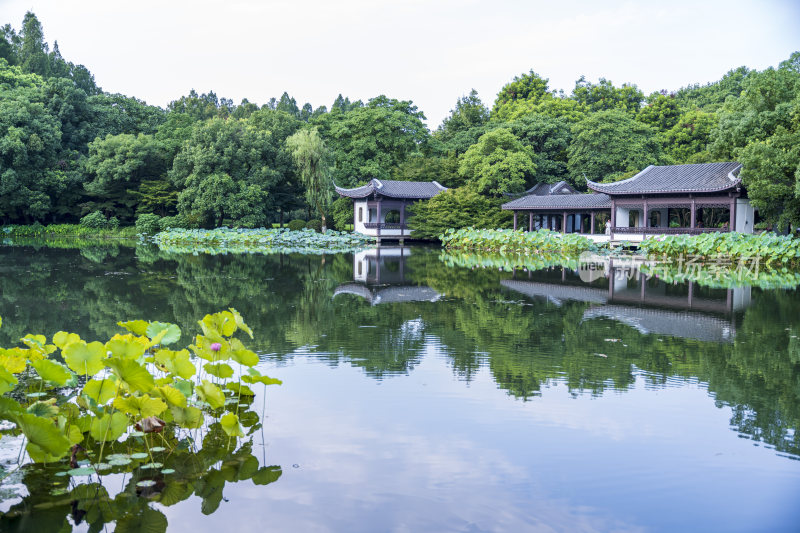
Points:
[392,314]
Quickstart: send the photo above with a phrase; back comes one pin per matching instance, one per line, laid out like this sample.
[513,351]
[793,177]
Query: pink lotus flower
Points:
[215,347]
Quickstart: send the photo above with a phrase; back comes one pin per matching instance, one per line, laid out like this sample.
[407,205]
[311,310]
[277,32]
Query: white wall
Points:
[359,226]
[745,214]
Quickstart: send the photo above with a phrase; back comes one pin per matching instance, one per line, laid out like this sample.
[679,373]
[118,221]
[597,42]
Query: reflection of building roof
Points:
[703,177]
[675,324]
[394,189]
[561,201]
[392,294]
[557,292]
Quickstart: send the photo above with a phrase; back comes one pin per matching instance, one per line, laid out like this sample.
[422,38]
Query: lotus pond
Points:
[422,390]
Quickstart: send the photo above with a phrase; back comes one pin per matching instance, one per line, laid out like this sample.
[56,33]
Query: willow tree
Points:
[313,161]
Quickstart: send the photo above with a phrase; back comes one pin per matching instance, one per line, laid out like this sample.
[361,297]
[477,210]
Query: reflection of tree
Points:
[526,344]
[49,504]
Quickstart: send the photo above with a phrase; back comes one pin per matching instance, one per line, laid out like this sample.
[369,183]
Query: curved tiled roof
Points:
[544,189]
[561,201]
[394,189]
[702,177]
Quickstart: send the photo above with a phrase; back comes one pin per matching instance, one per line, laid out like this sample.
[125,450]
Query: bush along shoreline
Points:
[516,242]
[67,230]
[262,240]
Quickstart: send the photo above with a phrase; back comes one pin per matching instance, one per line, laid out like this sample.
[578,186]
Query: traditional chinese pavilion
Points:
[675,199]
[379,207]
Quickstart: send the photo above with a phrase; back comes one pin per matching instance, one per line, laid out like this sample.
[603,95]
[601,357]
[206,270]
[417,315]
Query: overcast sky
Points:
[430,52]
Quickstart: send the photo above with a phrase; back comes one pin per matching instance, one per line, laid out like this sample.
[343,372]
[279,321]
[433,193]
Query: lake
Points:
[419,395]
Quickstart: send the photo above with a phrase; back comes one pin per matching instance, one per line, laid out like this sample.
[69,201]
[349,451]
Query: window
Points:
[655,219]
[361,214]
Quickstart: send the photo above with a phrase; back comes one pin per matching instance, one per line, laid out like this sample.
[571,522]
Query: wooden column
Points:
[732,224]
[580,222]
[693,219]
[515,221]
[402,222]
[645,217]
[591,225]
[564,222]
[530,220]
[378,209]
[613,214]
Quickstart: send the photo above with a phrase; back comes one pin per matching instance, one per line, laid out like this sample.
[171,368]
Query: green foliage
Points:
[770,249]
[313,161]
[457,208]
[265,241]
[608,144]
[50,430]
[661,112]
[298,225]
[497,164]
[761,129]
[176,222]
[315,225]
[94,220]
[369,141]
[342,213]
[528,86]
[148,224]
[469,113]
[516,242]
[604,96]
[227,170]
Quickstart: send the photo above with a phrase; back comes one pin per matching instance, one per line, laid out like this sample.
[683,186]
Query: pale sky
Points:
[430,52]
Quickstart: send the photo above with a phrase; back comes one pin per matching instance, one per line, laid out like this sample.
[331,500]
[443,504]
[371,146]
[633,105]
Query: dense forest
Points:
[68,149]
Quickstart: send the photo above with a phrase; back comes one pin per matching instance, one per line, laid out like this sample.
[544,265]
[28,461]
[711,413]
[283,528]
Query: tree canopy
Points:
[68,148]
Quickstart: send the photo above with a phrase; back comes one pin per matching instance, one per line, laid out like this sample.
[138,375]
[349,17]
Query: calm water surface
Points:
[422,397]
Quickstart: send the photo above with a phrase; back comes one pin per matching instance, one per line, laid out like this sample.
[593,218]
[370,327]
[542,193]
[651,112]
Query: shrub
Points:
[176,222]
[457,208]
[148,223]
[296,225]
[342,213]
[518,242]
[316,225]
[113,223]
[94,220]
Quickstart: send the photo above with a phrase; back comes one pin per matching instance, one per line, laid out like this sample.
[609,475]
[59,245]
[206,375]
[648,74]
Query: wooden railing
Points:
[667,231]
[385,225]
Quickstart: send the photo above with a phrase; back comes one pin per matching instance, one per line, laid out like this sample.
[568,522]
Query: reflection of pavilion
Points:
[379,276]
[648,305]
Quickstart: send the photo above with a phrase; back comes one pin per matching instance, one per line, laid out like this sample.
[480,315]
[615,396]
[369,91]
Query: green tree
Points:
[313,161]
[117,166]
[468,113]
[370,141]
[529,87]
[33,52]
[549,139]
[610,144]
[30,142]
[202,106]
[603,95]
[761,129]
[711,96]
[225,171]
[661,112]
[457,208]
[497,164]
[687,141]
